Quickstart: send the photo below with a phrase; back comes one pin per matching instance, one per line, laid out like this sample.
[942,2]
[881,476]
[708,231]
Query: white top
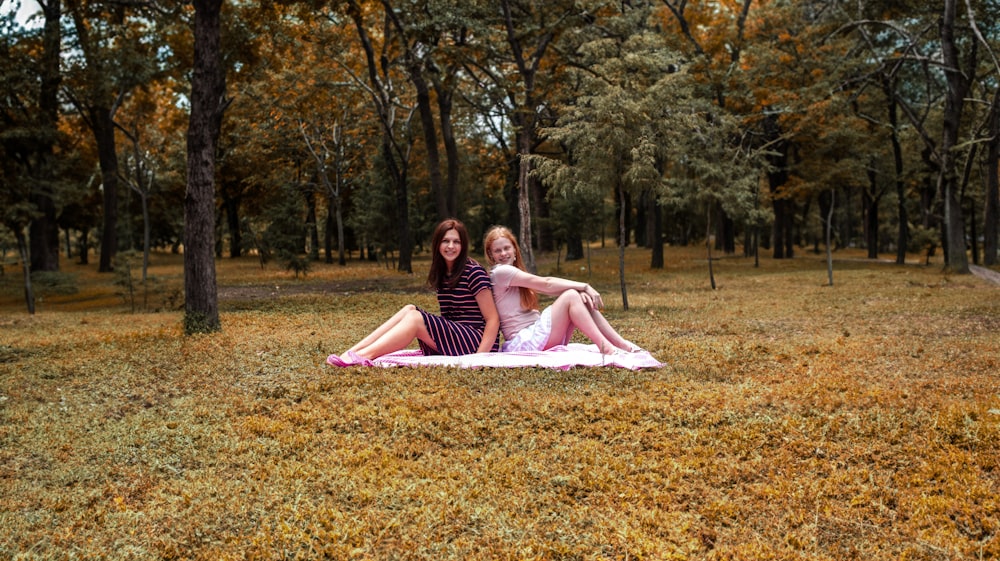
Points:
[513,318]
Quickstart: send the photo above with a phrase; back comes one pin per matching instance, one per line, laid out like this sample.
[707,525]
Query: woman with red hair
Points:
[525,328]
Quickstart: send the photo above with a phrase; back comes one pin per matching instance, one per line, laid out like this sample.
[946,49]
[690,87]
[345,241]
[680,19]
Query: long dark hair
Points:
[438,276]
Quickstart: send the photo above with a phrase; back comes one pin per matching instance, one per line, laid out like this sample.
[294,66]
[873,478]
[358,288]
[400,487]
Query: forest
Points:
[313,130]
[286,160]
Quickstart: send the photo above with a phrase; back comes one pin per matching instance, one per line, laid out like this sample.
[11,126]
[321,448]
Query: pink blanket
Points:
[561,357]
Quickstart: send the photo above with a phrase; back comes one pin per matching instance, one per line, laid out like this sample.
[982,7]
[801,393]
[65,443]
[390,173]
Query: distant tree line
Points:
[346,129]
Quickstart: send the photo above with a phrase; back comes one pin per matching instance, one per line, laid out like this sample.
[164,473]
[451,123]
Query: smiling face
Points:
[450,247]
[502,252]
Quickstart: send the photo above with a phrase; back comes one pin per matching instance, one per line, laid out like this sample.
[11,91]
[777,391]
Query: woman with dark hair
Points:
[577,305]
[468,322]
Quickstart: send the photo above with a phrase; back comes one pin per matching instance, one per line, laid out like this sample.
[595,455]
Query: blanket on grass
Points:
[562,357]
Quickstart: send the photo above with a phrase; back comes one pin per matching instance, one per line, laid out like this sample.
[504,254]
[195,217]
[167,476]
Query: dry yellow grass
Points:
[792,420]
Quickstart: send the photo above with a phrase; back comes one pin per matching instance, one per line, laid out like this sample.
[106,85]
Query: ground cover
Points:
[793,420]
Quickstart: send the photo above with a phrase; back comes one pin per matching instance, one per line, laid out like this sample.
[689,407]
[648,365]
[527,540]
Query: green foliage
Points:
[155,294]
[578,219]
[286,230]
[49,283]
[923,239]
[639,125]
[297,264]
[374,214]
[124,262]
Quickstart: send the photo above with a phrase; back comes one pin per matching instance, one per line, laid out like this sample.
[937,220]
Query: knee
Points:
[412,314]
[571,297]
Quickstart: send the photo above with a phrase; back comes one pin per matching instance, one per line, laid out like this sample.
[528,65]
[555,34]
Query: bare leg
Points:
[396,333]
[382,329]
[610,333]
[569,312]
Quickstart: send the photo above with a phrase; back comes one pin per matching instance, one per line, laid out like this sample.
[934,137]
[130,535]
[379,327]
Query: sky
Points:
[28,7]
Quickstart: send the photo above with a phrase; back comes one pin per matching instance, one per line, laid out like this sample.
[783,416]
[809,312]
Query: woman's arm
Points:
[489,309]
[553,286]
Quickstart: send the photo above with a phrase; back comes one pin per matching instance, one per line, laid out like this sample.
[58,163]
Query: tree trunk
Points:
[574,246]
[776,179]
[828,228]
[338,214]
[311,224]
[825,200]
[621,247]
[85,246]
[903,235]
[726,232]
[990,215]
[232,208]
[510,190]
[644,218]
[545,239]
[43,231]
[955,258]
[870,200]
[973,241]
[201,309]
[524,200]
[656,236]
[708,244]
[328,233]
[398,173]
[444,97]
[104,133]
[780,231]
[430,140]
[22,249]
[382,99]
[144,199]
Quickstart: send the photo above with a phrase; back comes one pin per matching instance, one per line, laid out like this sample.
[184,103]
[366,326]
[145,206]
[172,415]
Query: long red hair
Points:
[529,299]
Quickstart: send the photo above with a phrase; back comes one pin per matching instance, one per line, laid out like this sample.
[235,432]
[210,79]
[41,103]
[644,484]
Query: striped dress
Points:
[459,328]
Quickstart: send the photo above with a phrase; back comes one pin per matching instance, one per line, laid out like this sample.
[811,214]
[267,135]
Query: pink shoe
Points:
[334,360]
[352,358]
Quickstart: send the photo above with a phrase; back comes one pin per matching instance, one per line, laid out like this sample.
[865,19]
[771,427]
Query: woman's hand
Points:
[592,298]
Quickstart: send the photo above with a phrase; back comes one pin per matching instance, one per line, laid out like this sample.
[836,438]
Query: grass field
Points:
[792,420]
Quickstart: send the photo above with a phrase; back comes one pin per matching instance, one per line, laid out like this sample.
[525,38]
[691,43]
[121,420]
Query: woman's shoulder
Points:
[471,265]
[474,272]
[503,271]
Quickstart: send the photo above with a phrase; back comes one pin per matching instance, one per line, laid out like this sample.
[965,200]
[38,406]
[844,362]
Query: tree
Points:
[510,63]
[990,128]
[631,111]
[28,142]
[957,80]
[711,38]
[320,118]
[418,43]
[992,211]
[140,176]
[395,154]
[208,103]
[44,228]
